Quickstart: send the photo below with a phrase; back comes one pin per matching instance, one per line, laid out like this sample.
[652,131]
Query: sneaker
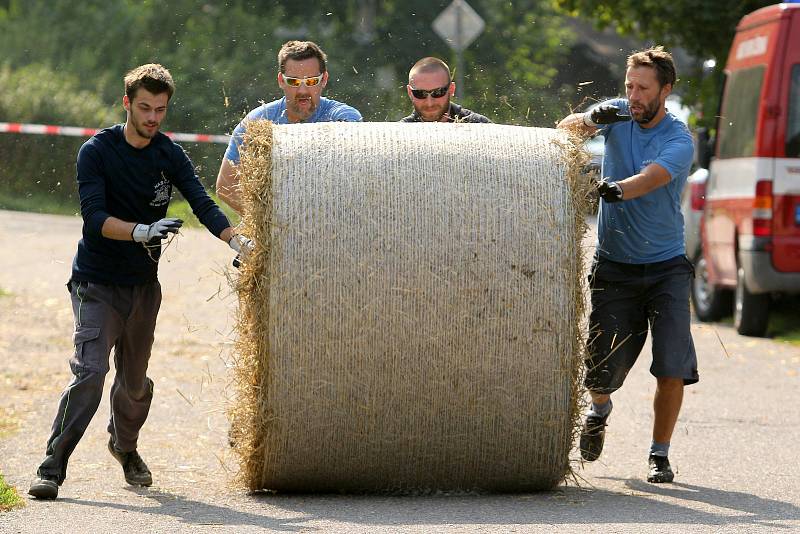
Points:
[136,471]
[44,487]
[592,437]
[660,470]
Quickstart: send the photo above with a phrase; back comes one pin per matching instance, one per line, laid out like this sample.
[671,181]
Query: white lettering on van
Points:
[752,47]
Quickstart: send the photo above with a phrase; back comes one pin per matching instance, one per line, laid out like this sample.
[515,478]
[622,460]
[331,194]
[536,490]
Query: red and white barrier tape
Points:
[74,131]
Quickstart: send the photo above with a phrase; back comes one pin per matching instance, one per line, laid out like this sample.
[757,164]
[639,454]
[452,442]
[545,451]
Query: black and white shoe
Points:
[660,470]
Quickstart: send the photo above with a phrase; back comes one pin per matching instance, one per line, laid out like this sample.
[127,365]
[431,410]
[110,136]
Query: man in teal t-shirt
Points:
[302,76]
[641,277]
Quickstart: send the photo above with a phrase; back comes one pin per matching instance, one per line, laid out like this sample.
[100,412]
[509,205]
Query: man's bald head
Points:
[428,65]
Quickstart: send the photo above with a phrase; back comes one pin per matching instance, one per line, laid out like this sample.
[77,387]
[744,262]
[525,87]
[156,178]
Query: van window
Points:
[737,124]
[793,128]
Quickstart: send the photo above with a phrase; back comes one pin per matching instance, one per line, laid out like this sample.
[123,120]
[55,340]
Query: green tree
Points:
[508,69]
[704,29]
[222,54]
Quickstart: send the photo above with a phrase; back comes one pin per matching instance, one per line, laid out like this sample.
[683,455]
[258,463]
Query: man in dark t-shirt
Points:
[430,88]
[125,179]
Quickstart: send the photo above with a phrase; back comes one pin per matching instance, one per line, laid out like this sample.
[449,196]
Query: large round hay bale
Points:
[410,317]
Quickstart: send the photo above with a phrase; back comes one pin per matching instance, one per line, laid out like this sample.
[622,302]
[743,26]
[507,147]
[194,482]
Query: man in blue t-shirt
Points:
[302,76]
[125,179]
[641,277]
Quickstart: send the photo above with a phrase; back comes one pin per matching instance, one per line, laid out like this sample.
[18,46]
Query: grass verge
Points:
[9,423]
[38,203]
[9,497]
[41,203]
[182,210]
[783,320]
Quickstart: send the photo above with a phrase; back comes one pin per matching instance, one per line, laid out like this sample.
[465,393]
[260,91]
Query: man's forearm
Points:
[231,198]
[227,234]
[118,229]
[576,124]
[640,184]
[228,185]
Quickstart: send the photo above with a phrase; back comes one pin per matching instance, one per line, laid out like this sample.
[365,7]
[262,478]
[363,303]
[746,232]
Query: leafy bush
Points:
[39,165]
[37,93]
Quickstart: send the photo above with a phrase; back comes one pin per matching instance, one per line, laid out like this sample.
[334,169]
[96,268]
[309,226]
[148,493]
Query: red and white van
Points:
[751,216]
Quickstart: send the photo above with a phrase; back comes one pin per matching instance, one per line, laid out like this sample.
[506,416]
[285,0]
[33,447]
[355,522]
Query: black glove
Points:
[144,233]
[609,191]
[604,114]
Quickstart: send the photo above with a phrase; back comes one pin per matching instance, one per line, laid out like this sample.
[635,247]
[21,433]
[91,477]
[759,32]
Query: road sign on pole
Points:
[459,25]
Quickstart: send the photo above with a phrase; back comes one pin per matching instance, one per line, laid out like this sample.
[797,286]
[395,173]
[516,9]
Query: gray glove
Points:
[609,191]
[142,233]
[604,114]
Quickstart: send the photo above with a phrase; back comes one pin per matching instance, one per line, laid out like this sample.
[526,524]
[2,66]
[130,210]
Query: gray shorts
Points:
[629,299]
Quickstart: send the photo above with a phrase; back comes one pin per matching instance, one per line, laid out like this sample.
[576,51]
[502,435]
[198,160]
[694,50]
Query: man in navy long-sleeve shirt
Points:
[125,179]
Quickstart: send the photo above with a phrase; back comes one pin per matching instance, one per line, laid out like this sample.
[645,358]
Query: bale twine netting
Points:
[410,317]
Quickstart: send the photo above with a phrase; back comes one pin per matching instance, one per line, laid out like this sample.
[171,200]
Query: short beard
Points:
[444,110]
[301,113]
[649,112]
[143,133]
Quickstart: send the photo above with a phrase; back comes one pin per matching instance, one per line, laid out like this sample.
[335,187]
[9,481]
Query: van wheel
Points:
[751,311]
[710,302]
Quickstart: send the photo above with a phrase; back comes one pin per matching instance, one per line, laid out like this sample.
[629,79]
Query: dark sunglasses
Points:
[422,94]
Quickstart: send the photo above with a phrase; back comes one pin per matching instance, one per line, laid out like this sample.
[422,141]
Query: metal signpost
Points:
[459,25]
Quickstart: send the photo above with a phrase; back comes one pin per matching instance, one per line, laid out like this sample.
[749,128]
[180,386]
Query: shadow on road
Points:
[748,509]
[196,513]
[640,503]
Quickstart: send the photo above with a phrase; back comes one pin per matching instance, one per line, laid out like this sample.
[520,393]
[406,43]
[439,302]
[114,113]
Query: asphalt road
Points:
[734,449]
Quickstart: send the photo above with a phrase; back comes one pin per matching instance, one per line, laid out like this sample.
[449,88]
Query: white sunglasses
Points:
[311,81]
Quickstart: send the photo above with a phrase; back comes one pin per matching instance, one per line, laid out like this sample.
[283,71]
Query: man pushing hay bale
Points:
[409,318]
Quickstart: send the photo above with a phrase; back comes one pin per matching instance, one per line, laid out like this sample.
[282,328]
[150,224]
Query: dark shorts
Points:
[629,299]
